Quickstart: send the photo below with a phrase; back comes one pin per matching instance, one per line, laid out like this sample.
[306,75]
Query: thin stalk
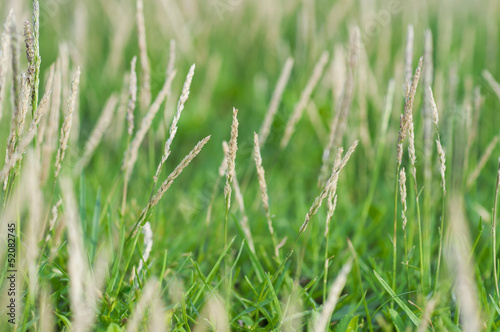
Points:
[327,263]
[441,245]
[419,221]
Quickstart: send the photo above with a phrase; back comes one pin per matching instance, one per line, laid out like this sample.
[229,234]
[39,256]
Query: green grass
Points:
[239,48]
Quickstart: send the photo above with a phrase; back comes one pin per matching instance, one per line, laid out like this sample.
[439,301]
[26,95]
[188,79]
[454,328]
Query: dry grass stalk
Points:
[84,284]
[132,97]
[171,58]
[16,122]
[482,162]
[16,73]
[98,132]
[244,219]
[66,127]
[338,123]
[262,182]
[411,151]
[318,71]
[36,52]
[145,97]
[170,179]
[30,53]
[53,218]
[321,323]
[408,59]
[406,117]
[213,317]
[328,186]
[426,317]
[427,77]
[49,144]
[442,163]
[231,158]
[27,138]
[492,82]
[133,149]
[4,58]
[46,312]
[402,190]
[49,85]
[461,267]
[173,127]
[275,101]
[148,246]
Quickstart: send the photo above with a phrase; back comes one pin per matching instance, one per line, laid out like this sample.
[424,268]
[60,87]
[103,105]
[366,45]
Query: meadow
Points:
[231,165]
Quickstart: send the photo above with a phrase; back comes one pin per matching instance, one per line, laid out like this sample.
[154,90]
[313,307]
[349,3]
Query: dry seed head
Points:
[25,103]
[408,107]
[173,127]
[133,150]
[275,101]
[330,184]
[402,190]
[408,59]
[66,127]
[411,150]
[171,59]
[98,132]
[170,179]
[435,115]
[223,165]
[30,52]
[304,98]
[442,162]
[332,204]
[132,96]
[262,181]
[148,245]
[231,156]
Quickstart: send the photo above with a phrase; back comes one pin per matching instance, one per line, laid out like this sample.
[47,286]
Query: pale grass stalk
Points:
[482,162]
[35,207]
[17,123]
[132,152]
[244,219]
[331,205]
[230,160]
[176,172]
[426,317]
[427,78]
[132,97]
[36,51]
[221,173]
[213,316]
[30,53]
[46,312]
[24,105]
[16,72]
[97,133]
[145,93]
[338,123]
[275,101]
[402,190]
[292,318]
[4,59]
[49,85]
[66,127]
[261,174]
[462,267]
[145,300]
[53,219]
[49,144]
[494,234]
[171,58]
[304,98]
[328,186]
[495,86]
[27,138]
[173,127]
[148,246]
[404,125]
[408,59]
[442,170]
[83,283]
[321,324]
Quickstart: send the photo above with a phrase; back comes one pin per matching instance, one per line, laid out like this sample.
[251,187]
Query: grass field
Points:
[231,165]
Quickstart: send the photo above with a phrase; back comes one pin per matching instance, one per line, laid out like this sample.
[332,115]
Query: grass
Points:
[126,219]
